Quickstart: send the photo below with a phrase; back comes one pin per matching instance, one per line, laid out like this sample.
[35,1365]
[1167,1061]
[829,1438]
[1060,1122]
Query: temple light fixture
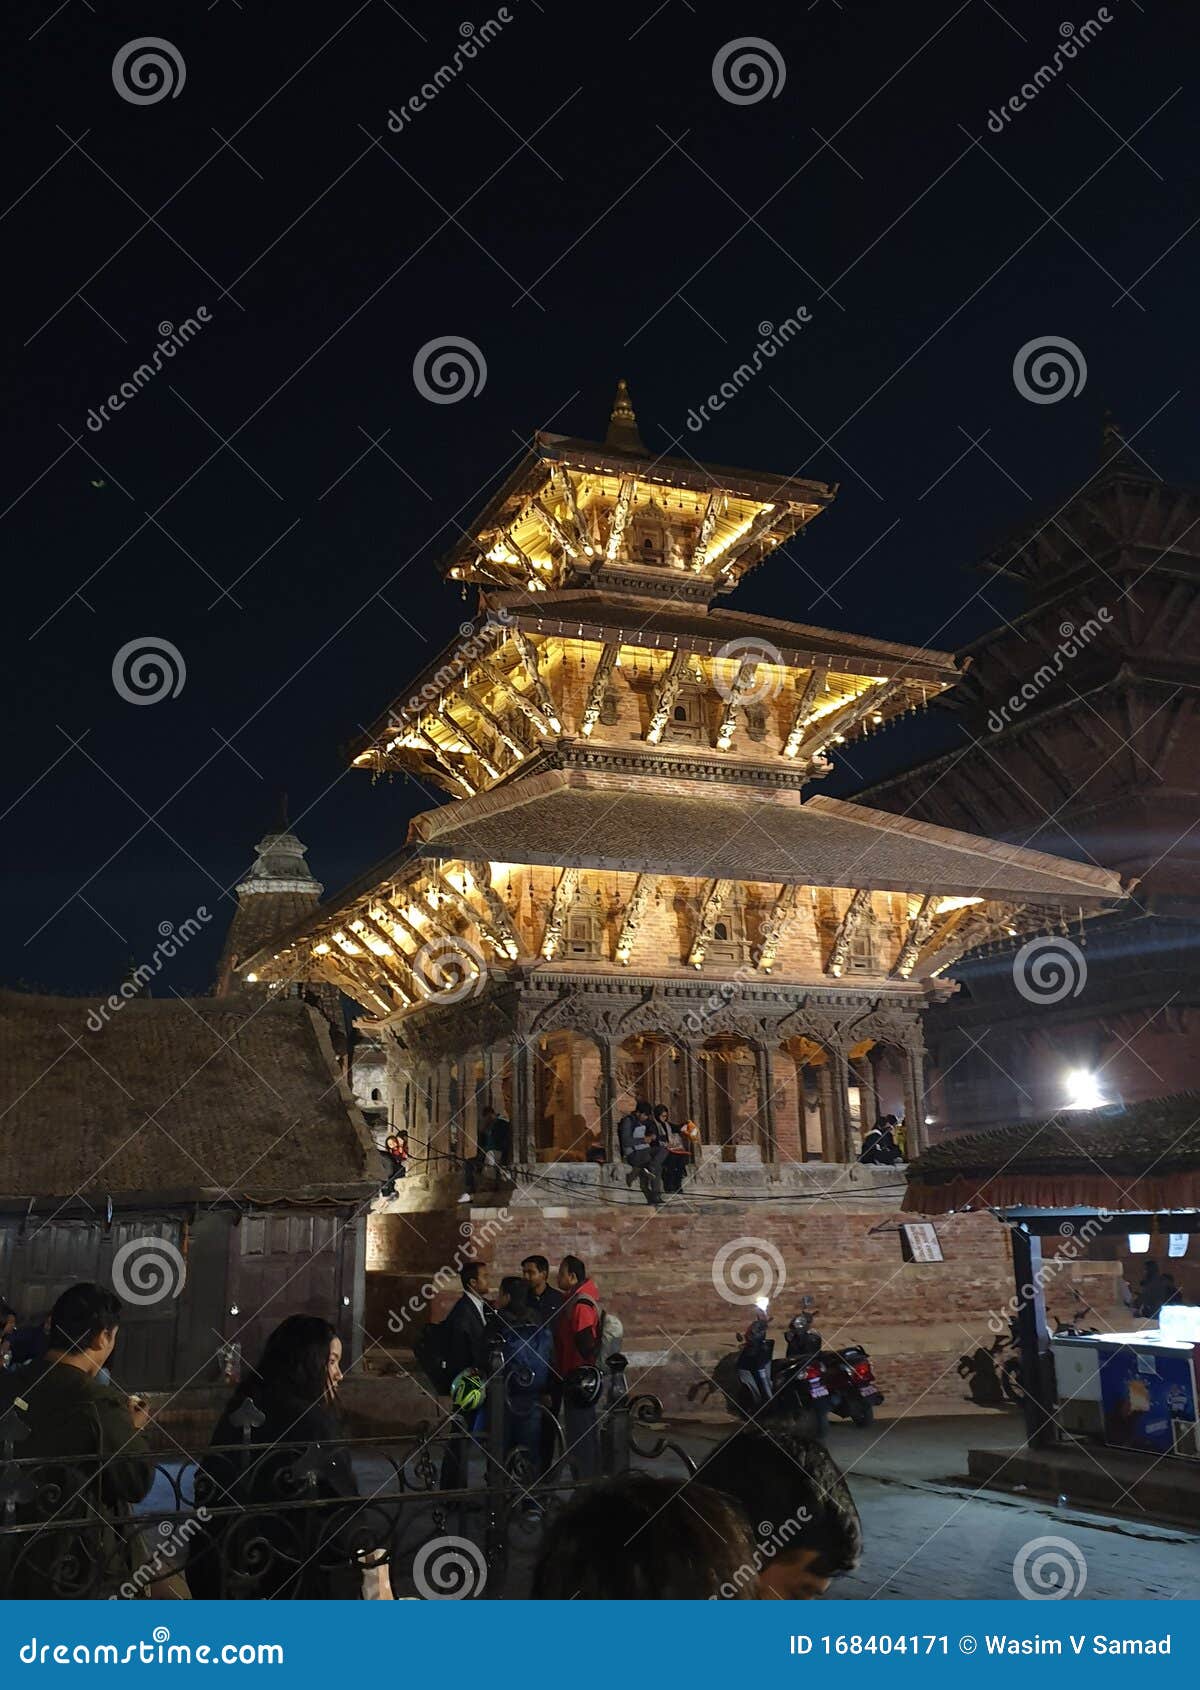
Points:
[1139,1243]
[1084,1090]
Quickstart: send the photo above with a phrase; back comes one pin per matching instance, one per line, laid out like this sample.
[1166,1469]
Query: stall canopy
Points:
[1144,1158]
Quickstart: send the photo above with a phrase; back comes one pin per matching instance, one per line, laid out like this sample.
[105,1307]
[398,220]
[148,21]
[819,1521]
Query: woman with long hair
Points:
[290,1455]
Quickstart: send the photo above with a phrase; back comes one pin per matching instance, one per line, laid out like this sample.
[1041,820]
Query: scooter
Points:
[757,1385]
[847,1374]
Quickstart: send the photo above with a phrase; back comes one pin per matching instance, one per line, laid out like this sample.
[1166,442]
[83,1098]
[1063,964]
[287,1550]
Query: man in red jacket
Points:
[577,1345]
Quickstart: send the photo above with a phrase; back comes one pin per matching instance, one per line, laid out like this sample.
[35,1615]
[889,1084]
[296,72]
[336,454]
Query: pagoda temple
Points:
[636,886]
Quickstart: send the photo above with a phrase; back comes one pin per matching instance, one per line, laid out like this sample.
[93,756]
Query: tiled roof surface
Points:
[1145,1156]
[204,1096]
[689,828]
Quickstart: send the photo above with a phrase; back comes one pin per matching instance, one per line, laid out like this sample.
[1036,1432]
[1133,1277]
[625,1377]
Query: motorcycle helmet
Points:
[585,1385]
[467,1391]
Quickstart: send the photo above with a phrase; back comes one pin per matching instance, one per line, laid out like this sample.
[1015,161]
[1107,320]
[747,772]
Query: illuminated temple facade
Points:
[635,886]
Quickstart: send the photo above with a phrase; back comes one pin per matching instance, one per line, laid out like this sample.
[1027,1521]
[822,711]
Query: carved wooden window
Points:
[648,543]
[686,725]
[862,952]
[585,933]
[728,942]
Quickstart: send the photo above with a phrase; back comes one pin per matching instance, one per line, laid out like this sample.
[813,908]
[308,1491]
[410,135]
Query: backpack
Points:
[610,1329]
[430,1350]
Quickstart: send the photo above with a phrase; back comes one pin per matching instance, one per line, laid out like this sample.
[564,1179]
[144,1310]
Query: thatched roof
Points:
[234,1099]
[1144,1158]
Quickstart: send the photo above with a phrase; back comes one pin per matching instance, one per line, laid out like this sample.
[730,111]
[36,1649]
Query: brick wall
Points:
[916,1319]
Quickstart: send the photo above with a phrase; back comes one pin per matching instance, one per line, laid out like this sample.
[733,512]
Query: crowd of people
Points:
[629,1536]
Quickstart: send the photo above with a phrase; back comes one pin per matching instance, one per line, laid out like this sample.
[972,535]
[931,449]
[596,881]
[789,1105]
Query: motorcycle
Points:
[757,1384]
[847,1374]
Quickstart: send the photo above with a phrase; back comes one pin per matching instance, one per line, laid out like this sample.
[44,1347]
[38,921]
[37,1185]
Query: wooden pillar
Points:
[829,1121]
[608,1098]
[868,1096]
[840,1067]
[523,1101]
[916,1135]
[766,1102]
[1034,1339]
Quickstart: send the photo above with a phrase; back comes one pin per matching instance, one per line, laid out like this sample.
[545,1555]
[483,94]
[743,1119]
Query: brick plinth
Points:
[662,1273]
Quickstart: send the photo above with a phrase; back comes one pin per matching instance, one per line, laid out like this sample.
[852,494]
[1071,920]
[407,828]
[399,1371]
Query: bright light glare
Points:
[1139,1243]
[1083,1090]
[761,1303]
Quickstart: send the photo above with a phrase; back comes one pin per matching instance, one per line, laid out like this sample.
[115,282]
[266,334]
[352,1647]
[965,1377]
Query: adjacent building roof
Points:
[196,1099]
[569,819]
[1143,1159]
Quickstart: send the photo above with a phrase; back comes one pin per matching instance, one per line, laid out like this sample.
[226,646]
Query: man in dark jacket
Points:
[545,1300]
[93,1435]
[469,1329]
[644,1150]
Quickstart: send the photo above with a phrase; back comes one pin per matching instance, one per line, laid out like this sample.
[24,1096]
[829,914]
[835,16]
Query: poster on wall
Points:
[920,1243]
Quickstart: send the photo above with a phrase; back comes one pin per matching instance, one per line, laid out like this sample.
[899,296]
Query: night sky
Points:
[580,203]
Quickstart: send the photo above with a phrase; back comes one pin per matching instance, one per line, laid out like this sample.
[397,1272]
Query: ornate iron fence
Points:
[450,1510]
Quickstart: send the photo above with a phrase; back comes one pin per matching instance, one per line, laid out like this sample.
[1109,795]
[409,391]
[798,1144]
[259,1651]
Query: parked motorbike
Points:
[847,1374]
[757,1384]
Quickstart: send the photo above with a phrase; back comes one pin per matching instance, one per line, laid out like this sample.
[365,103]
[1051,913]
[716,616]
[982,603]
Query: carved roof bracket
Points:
[857,908]
[668,692]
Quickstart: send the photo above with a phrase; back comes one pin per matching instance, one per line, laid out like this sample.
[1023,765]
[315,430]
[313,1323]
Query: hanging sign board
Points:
[1177,1244]
[920,1243]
